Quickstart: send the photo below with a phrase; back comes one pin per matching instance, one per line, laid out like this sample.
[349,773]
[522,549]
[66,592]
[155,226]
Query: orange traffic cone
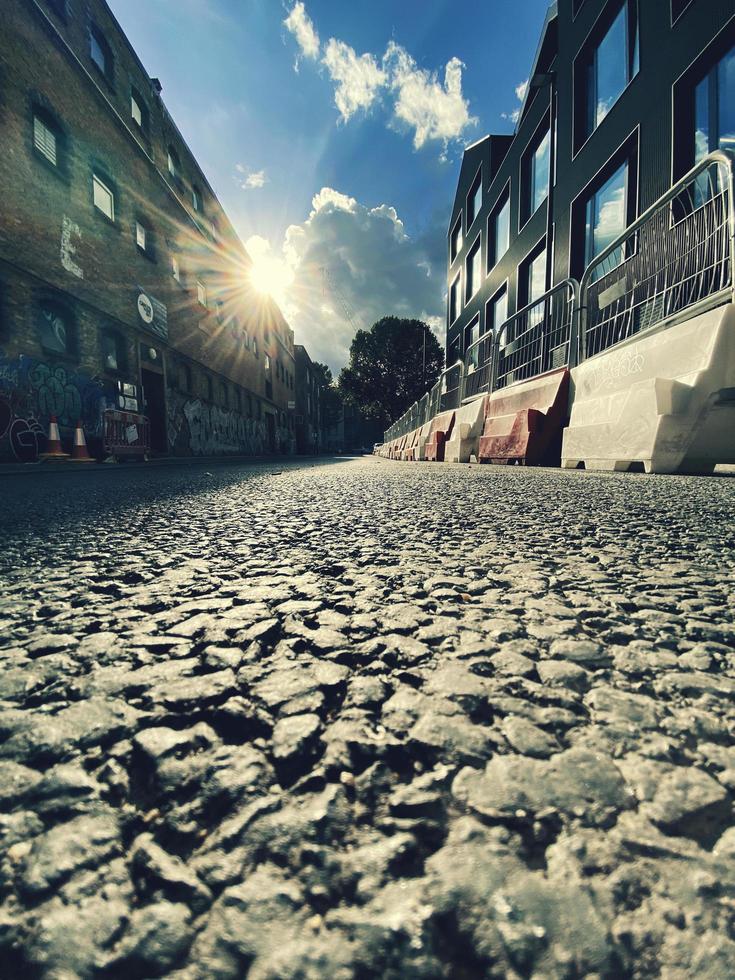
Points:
[53,450]
[79,452]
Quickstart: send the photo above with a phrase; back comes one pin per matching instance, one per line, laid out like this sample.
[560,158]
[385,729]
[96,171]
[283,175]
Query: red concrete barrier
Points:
[441,430]
[524,423]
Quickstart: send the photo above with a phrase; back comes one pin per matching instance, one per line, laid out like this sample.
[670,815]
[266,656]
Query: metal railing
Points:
[445,395]
[478,363]
[537,338]
[677,256]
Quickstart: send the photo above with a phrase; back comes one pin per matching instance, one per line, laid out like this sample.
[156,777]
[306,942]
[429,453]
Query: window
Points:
[139,110]
[209,388]
[113,351]
[55,328]
[455,240]
[474,269]
[454,300]
[45,137]
[496,311]
[605,67]
[532,277]
[266,362]
[223,394]
[201,293]
[714,109]
[535,174]
[471,333]
[474,199]
[175,269]
[59,8]
[104,199]
[140,236]
[606,214]
[174,164]
[196,199]
[100,52]
[220,307]
[238,400]
[255,347]
[499,231]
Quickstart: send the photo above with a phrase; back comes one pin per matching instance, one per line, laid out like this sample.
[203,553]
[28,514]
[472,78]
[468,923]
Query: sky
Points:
[332,133]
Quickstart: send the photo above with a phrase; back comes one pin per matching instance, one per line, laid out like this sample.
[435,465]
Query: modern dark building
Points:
[307,404]
[624,97]
[123,286]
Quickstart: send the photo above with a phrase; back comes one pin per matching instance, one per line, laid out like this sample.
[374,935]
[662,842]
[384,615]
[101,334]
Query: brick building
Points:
[308,414]
[122,283]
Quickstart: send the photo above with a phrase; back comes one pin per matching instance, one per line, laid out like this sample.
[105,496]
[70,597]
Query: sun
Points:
[271,276]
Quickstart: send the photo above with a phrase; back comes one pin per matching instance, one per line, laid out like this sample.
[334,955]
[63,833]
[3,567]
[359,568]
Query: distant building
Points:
[308,410]
[642,90]
[123,285]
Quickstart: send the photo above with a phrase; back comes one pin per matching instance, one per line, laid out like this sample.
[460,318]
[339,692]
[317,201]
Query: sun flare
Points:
[271,276]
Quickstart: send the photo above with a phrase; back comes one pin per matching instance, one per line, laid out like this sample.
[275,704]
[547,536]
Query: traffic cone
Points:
[53,450]
[79,452]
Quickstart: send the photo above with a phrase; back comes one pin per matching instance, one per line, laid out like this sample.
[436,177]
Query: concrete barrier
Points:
[664,400]
[419,450]
[524,422]
[466,434]
[441,430]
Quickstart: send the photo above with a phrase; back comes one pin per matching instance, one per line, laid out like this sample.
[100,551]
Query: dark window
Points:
[714,108]
[455,240]
[144,237]
[223,394]
[56,328]
[238,400]
[606,65]
[59,8]
[474,199]
[113,351]
[535,174]
[454,300]
[196,199]
[174,164]
[250,405]
[100,52]
[532,277]
[474,270]
[471,333]
[209,388]
[499,232]
[220,309]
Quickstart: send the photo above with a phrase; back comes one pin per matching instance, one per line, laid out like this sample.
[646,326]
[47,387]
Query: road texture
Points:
[367,719]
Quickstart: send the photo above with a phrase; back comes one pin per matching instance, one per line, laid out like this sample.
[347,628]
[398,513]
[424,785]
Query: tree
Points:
[330,398]
[391,366]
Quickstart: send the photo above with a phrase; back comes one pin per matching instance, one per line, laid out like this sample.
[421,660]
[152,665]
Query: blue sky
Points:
[332,132]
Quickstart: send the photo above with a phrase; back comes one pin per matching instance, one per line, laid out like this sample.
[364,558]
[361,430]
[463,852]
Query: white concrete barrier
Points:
[664,399]
[466,433]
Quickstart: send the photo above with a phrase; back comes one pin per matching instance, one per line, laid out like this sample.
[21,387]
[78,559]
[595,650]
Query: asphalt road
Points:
[360,719]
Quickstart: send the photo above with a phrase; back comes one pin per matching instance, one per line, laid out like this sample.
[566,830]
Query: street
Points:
[355,718]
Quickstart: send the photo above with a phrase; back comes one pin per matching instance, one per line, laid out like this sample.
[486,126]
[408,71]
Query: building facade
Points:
[624,97]
[123,286]
[308,413]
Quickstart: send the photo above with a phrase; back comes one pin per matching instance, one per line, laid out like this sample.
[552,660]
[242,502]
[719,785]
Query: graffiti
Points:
[201,429]
[68,249]
[623,365]
[32,390]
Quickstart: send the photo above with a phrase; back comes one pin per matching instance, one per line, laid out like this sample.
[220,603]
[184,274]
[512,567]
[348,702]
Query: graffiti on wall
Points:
[69,231]
[208,430]
[32,390]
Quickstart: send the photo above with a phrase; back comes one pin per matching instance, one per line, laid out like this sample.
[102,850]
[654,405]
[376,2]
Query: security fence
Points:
[673,262]
[677,257]
[537,338]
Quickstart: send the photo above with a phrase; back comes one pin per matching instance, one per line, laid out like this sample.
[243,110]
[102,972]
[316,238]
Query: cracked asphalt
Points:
[361,719]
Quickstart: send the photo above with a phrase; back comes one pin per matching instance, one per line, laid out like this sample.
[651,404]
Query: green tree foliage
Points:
[330,398]
[391,366]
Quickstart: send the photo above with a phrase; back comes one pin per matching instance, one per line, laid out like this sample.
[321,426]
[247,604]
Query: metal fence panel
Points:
[677,255]
[478,364]
[537,338]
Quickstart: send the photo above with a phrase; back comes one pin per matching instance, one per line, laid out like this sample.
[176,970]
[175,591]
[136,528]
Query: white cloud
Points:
[515,114]
[358,79]
[434,110]
[299,24]
[348,260]
[249,179]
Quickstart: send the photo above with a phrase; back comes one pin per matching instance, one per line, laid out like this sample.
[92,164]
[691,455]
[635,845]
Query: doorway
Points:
[270,428]
[154,407]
